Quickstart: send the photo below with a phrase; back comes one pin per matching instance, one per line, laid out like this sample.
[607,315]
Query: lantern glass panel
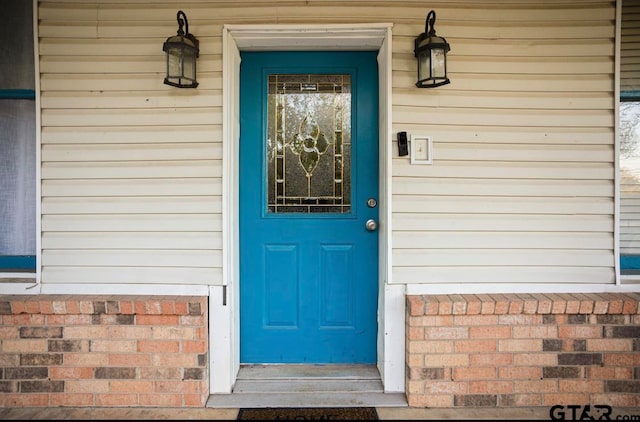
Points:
[438,69]
[424,66]
[174,63]
[189,65]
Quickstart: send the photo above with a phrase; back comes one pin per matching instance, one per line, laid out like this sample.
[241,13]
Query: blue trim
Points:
[17,94]
[630,96]
[629,262]
[23,263]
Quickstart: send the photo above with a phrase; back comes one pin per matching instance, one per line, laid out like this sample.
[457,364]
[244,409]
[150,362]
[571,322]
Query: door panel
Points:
[308,166]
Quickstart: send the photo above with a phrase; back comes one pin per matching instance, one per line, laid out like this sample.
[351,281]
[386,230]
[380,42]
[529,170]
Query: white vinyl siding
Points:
[521,189]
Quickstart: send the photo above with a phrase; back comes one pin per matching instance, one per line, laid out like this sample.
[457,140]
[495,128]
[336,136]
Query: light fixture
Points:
[431,52]
[182,51]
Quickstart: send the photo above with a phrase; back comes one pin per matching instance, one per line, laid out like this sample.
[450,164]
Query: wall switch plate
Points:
[421,147]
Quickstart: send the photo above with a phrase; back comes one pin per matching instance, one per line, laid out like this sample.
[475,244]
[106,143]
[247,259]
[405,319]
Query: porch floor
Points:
[308,386]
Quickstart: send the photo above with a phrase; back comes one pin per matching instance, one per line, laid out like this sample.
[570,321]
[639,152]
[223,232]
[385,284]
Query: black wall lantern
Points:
[431,52]
[182,50]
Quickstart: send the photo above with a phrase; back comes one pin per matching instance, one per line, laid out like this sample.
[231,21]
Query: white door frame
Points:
[224,311]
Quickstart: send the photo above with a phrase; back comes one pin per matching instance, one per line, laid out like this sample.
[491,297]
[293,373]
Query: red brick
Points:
[580,386]
[565,399]
[117,400]
[472,373]
[622,359]
[459,306]
[157,319]
[58,373]
[579,331]
[82,386]
[501,304]
[600,304]
[168,307]
[181,308]
[167,400]
[616,399]
[71,399]
[183,387]
[615,305]
[174,360]
[520,345]
[491,359]
[446,360]
[18,306]
[445,333]
[630,305]
[539,386]
[430,347]
[430,400]
[544,304]
[586,306]
[573,303]
[488,304]
[9,332]
[77,319]
[129,359]
[446,387]
[488,332]
[535,359]
[415,387]
[416,305]
[166,346]
[25,400]
[559,304]
[86,306]
[130,332]
[474,305]
[475,346]
[86,359]
[530,303]
[119,346]
[431,307]
[535,331]
[601,372]
[521,400]
[127,307]
[189,346]
[516,305]
[445,305]
[610,345]
[520,372]
[415,333]
[472,320]
[490,387]
[131,386]
[195,400]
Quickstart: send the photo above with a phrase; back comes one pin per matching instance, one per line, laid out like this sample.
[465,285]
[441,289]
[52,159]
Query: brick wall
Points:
[103,351]
[523,350]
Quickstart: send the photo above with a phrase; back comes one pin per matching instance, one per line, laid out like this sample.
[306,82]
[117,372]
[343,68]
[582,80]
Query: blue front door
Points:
[308,187]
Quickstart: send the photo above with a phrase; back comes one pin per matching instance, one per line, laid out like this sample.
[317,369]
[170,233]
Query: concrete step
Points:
[308,386]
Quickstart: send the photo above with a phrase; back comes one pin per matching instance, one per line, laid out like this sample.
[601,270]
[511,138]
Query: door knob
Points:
[371,225]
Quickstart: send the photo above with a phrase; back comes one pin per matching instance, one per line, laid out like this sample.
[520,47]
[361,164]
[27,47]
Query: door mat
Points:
[309,413]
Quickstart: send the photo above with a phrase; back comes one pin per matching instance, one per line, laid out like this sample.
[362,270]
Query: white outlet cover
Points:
[421,149]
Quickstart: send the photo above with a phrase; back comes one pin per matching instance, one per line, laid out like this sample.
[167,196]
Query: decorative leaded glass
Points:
[309,144]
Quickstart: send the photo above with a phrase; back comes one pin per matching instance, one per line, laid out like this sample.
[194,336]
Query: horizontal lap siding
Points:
[522,182]
[131,168]
[521,188]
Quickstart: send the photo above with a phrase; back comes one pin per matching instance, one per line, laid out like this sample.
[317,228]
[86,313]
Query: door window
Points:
[309,144]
